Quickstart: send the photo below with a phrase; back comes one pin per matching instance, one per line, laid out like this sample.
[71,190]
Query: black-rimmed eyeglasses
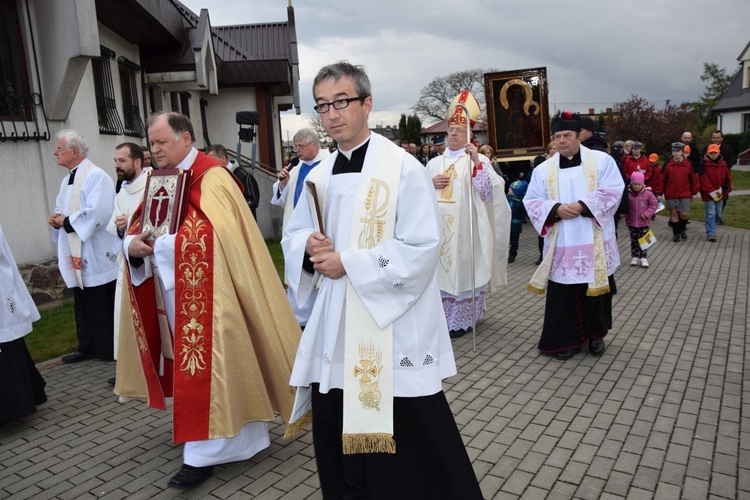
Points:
[323,107]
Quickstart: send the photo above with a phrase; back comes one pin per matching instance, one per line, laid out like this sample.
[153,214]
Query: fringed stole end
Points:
[368,443]
[294,428]
[534,289]
[595,292]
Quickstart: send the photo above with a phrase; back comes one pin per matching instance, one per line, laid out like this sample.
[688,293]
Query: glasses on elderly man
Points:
[323,107]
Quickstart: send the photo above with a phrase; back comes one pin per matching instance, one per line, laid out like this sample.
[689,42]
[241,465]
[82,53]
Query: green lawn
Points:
[736,212]
[55,333]
[740,180]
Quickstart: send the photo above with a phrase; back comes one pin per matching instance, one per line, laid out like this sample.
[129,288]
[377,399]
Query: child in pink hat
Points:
[642,204]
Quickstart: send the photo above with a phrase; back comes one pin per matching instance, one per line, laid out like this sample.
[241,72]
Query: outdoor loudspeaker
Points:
[248,118]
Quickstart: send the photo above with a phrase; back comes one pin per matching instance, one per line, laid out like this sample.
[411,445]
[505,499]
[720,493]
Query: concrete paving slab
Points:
[663,413]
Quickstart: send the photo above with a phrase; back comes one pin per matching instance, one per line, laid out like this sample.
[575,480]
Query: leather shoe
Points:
[190,477]
[511,258]
[538,261]
[74,357]
[676,238]
[683,234]
[112,381]
[567,353]
[454,334]
[596,347]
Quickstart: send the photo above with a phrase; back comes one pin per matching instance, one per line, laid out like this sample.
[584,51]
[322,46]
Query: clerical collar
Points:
[125,184]
[188,160]
[72,173]
[352,161]
[348,153]
[571,162]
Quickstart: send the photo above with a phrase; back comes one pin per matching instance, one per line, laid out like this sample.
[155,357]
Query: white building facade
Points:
[102,66]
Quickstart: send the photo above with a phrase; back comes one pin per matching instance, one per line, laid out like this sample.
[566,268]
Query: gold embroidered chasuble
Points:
[237,335]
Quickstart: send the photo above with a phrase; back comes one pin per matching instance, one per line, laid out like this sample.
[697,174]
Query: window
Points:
[14,83]
[106,108]
[185,103]
[174,101]
[131,112]
[180,102]
[746,122]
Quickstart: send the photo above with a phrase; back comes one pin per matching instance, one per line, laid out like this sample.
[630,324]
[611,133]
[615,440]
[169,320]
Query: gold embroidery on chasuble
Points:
[376,209]
[450,208]
[193,272]
[140,332]
[368,373]
[447,258]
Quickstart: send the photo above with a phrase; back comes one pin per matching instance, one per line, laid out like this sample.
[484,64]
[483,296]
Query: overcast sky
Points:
[596,52]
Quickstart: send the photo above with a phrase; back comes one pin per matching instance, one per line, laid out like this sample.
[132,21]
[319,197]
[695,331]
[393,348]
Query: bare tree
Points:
[435,97]
[638,119]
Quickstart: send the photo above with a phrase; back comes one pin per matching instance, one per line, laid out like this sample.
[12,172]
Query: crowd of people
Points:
[389,253]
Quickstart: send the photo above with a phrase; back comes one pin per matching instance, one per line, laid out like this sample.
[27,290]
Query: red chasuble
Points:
[235,335]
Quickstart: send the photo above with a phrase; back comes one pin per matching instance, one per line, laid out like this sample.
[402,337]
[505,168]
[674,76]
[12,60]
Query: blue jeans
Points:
[713,214]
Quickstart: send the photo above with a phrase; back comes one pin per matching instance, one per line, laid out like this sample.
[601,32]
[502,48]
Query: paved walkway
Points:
[664,413]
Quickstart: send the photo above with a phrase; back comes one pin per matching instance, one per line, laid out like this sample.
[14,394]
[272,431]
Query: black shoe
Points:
[596,347]
[74,357]
[567,354]
[190,477]
[683,234]
[511,258]
[721,222]
[676,238]
[538,261]
[454,334]
[112,381]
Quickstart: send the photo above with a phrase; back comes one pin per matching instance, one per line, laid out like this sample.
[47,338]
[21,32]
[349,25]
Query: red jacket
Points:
[656,183]
[715,175]
[641,164]
[679,180]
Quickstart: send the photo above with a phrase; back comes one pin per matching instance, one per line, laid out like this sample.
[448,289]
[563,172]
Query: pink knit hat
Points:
[637,177]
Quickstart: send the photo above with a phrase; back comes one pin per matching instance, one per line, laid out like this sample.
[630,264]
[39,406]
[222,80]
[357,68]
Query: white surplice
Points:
[253,436]
[99,262]
[126,201]
[17,310]
[491,224]
[285,197]
[573,260]
[396,281]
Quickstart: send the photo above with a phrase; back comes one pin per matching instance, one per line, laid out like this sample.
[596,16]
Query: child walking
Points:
[716,182]
[642,204]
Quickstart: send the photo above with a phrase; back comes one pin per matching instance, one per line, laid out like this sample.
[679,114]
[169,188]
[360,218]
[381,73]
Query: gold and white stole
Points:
[368,350]
[449,200]
[74,205]
[600,286]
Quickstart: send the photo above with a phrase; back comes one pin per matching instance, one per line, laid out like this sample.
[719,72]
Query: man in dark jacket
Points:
[695,156]
[591,139]
[589,136]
